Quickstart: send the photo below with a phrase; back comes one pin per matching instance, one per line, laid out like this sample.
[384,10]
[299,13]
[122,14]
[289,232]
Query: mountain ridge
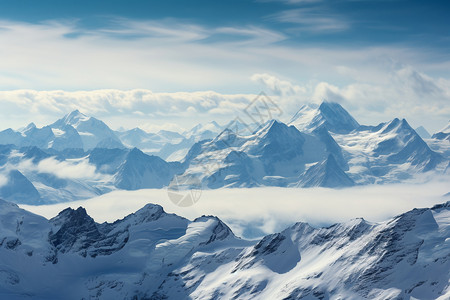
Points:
[203,258]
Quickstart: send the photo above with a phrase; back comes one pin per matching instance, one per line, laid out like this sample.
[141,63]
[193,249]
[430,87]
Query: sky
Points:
[171,64]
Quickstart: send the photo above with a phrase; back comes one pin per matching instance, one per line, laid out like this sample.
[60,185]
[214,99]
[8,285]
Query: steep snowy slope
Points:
[389,152]
[154,255]
[139,171]
[326,174]
[276,154]
[443,134]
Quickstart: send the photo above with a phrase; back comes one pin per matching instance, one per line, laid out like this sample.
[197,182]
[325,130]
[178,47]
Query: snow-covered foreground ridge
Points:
[151,254]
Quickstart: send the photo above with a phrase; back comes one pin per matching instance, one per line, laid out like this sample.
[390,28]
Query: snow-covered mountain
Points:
[79,157]
[46,137]
[150,143]
[168,145]
[203,131]
[140,171]
[443,134]
[389,152]
[93,132]
[36,176]
[154,255]
[422,132]
[276,154]
[329,115]
[75,130]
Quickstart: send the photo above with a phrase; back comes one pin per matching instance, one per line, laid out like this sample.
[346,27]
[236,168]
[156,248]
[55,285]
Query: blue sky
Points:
[380,59]
[325,23]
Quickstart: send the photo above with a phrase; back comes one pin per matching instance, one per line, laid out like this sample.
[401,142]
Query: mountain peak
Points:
[422,132]
[330,115]
[29,127]
[326,174]
[75,117]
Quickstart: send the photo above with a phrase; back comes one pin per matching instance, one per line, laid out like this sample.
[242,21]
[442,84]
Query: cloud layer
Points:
[267,210]
[142,59]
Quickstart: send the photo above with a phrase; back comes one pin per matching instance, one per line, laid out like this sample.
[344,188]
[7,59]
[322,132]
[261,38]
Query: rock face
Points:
[154,255]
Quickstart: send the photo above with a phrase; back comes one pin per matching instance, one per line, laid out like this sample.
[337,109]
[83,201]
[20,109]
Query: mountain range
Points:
[151,254]
[78,157]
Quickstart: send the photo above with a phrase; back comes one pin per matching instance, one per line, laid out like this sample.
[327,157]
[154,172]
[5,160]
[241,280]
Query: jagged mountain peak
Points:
[71,215]
[74,118]
[29,127]
[330,115]
[327,173]
[219,230]
[443,134]
[422,132]
[274,129]
[135,153]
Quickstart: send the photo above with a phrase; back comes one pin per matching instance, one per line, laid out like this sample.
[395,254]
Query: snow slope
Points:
[154,255]
[329,115]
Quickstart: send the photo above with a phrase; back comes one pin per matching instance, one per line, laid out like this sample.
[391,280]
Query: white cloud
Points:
[277,86]
[3,180]
[373,83]
[270,209]
[312,20]
[67,169]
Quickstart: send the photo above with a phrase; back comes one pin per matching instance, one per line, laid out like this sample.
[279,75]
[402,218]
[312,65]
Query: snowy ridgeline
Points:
[154,255]
[79,157]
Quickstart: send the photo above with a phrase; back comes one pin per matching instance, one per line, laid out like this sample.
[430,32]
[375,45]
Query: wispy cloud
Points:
[312,19]
[68,169]
[138,57]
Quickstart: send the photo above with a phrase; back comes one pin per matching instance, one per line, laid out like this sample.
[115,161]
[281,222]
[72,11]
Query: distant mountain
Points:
[140,171]
[19,189]
[155,255]
[329,115]
[45,137]
[203,132]
[326,174]
[423,133]
[75,130]
[389,152]
[275,155]
[323,146]
[443,134]
[93,132]
[163,143]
